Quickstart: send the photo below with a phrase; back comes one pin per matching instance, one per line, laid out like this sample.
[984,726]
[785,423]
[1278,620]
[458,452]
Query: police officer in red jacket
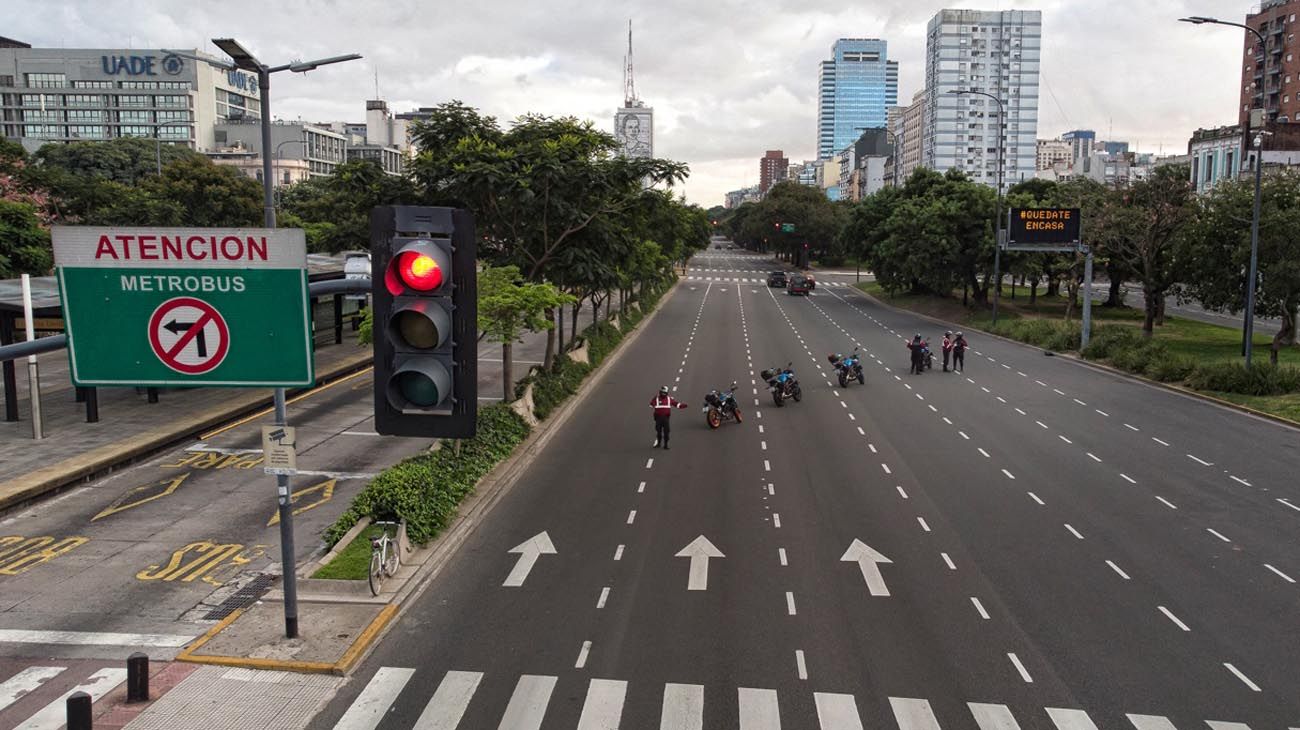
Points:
[663,405]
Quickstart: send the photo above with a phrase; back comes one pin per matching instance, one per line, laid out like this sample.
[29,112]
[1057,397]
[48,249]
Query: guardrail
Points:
[54,343]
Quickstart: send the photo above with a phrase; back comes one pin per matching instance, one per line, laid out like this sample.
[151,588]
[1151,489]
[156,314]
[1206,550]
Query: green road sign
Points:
[787,228]
[185,306]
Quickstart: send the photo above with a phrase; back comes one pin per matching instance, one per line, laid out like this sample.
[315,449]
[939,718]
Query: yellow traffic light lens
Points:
[417,329]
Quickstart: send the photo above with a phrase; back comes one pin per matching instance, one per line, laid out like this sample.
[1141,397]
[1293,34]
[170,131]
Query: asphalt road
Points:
[1032,543]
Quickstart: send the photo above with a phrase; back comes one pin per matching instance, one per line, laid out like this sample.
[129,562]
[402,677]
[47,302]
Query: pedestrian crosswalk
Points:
[35,697]
[684,708]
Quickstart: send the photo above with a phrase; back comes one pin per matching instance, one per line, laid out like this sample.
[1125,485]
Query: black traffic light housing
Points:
[424,288]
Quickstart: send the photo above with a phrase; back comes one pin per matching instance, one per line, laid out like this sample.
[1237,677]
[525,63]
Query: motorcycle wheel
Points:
[797,394]
[862,378]
[712,418]
[844,380]
[776,398]
[739,418]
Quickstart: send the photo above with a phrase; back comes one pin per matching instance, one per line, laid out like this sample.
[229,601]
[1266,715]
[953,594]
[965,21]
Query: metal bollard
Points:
[79,711]
[92,405]
[152,394]
[137,677]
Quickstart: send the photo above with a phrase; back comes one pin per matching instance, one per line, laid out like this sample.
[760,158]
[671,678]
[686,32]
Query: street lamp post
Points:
[157,138]
[245,60]
[1248,326]
[997,217]
[275,170]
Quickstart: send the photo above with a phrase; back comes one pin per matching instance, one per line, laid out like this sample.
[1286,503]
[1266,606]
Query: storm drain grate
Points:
[243,598]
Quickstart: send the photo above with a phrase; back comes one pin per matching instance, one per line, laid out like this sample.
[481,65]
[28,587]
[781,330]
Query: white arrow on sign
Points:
[699,551]
[528,551]
[869,561]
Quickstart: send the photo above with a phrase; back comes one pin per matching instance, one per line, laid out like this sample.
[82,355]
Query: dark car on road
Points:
[798,284]
[776,278]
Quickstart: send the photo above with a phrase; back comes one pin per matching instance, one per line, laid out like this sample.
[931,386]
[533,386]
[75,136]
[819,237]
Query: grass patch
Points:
[353,561]
[1284,406]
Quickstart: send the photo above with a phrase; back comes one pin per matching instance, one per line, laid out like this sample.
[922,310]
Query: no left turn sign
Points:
[189,335]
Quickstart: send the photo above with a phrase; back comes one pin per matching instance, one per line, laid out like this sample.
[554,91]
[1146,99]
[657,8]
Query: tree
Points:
[209,194]
[128,160]
[334,211]
[1215,254]
[507,307]
[1145,233]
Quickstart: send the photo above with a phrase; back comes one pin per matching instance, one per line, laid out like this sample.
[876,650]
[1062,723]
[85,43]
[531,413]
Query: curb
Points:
[494,486]
[1102,367]
[341,667]
[108,457]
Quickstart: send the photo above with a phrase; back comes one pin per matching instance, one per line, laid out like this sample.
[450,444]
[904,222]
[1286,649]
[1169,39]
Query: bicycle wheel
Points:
[391,558]
[376,575]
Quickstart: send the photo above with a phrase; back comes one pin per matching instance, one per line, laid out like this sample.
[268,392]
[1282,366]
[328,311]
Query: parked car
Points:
[776,278]
[798,284]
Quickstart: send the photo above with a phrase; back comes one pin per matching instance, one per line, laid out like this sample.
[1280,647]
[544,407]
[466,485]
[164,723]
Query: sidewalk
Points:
[129,427]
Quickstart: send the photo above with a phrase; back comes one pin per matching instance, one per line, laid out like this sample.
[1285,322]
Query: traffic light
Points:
[423,283]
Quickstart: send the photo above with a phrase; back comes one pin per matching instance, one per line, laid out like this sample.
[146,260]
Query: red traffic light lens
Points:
[419,271]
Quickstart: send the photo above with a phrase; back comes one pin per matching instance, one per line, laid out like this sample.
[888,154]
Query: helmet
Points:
[948,333]
[916,337]
[663,390]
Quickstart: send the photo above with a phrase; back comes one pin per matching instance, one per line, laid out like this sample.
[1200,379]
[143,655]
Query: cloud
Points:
[727,79]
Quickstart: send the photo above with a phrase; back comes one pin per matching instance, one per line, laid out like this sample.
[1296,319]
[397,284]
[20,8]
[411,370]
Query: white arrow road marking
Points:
[869,561]
[528,551]
[699,551]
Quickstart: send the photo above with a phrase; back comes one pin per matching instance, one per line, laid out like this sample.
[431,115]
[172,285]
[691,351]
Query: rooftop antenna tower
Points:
[629,86]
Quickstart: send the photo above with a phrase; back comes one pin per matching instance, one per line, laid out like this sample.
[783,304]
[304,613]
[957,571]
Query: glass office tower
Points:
[857,85]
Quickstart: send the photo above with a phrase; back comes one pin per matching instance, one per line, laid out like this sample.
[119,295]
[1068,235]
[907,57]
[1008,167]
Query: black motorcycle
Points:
[783,384]
[848,368]
[721,406]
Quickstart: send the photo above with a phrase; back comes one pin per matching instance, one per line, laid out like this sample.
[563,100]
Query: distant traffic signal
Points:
[423,282]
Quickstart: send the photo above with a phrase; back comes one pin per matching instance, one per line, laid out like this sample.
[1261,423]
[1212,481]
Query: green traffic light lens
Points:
[419,389]
[417,329]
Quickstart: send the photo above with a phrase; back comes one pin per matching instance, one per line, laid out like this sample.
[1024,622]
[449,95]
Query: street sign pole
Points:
[33,369]
[1087,299]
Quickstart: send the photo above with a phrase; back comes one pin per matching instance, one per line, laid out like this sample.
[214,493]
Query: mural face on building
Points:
[633,128]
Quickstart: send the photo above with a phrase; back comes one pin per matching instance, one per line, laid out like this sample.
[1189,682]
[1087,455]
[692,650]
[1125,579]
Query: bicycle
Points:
[384,558]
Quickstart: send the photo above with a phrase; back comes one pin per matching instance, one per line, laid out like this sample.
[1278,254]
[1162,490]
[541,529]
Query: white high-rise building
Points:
[997,53]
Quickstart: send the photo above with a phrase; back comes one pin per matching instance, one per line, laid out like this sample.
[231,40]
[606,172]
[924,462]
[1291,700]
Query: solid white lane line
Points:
[993,717]
[948,561]
[528,703]
[886,468]
[1169,615]
[1244,679]
[1162,443]
[604,596]
[1128,479]
[837,711]
[1116,568]
[1200,461]
[447,706]
[985,453]
[1094,457]
[1009,475]
[759,709]
[776,519]
[913,714]
[24,682]
[789,603]
[631,517]
[604,705]
[1066,440]
[1024,674]
[1070,719]
[1131,427]
[924,526]
[1073,531]
[1217,534]
[1167,503]
[1284,576]
[1034,497]
[582,655]
[780,554]
[980,607]
[683,707]
[369,707]
[902,493]
[618,553]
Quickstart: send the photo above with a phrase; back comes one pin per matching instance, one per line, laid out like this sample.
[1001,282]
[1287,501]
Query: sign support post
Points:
[33,369]
[1087,298]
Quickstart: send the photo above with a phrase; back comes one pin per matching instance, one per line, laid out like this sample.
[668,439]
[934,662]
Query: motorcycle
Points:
[848,368]
[927,358]
[783,384]
[721,406]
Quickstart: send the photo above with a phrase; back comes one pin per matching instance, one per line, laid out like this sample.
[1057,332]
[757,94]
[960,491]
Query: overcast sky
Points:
[727,79]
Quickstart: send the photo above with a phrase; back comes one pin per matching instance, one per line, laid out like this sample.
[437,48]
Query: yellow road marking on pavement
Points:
[19,554]
[207,560]
[294,399]
[202,459]
[132,497]
[326,489]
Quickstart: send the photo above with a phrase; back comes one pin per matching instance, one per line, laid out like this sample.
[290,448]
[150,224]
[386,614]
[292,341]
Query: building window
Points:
[139,84]
[46,80]
[42,131]
[87,115]
[85,100]
[42,100]
[134,131]
[32,115]
[174,132]
[135,117]
[173,84]
[92,84]
[87,131]
[135,101]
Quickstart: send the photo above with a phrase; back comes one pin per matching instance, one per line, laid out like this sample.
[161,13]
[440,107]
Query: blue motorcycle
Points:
[848,368]
[783,384]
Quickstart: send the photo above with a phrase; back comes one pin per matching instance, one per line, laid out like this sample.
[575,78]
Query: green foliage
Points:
[1235,378]
[353,561]
[509,306]
[24,243]
[1045,333]
[334,211]
[550,389]
[366,329]
[127,160]
[1107,340]
[1172,368]
[425,490]
[208,194]
[1141,358]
